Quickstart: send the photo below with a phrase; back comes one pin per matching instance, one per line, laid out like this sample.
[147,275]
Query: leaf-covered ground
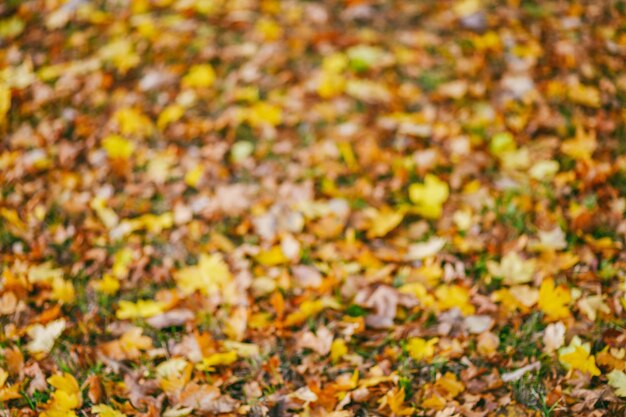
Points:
[337,208]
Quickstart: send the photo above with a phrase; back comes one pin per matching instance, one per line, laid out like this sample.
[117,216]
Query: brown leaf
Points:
[176,317]
[384,300]
[206,399]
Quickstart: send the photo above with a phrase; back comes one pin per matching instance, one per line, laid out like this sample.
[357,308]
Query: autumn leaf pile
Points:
[312,208]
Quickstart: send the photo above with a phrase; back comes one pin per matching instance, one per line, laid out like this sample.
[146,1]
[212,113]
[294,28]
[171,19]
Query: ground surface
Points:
[342,208]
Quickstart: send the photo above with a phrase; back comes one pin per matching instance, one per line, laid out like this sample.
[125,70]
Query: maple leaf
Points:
[578,356]
[209,276]
[104,410]
[194,175]
[44,273]
[8,392]
[450,384]
[554,336]
[272,257]
[338,349]
[554,301]
[132,341]
[582,146]
[263,113]
[454,296]
[305,310]
[216,359]
[384,221]
[331,84]
[118,147]
[5,101]
[617,380]
[173,374]
[513,269]
[108,285]
[170,114]
[585,95]
[43,337]
[132,122]
[395,399]
[429,196]
[65,399]
[63,291]
[199,76]
[426,249]
[420,349]
[140,309]
[121,54]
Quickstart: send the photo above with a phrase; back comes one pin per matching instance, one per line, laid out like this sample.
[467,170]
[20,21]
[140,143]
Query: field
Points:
[341,208]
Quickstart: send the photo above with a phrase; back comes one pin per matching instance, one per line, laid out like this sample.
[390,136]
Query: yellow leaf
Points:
[12,217]
[466,7]
[132,122]
[194,175]
[586,95]
[140,309]
[5,101]
[345,149]
[268,29]
[331,84]
[63,291]
[272,257]
[419,291]
[154,223]
[582,146]
[209,276]
[64,382]
[335,63]
[368,90]
[244,350]
[118,147]
[544,170]
[248,93]
[577,356]
[394,399]
[338,349]
[384,221]
[263,113]
[435,402]
[451,296]
[450,384]
[617,379]
[107,216]
[108,285]
[199,76]
[173,374]
[513,269]
[170,114]
[9,392]
[554,301]
[44,273]
[429,196]
[306,310]
[104,410]
[217,359]
[58,413]
[120,53]
[66,397]
[132,342]
[580,359]
[502,143]
[421,349]
[121,260]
